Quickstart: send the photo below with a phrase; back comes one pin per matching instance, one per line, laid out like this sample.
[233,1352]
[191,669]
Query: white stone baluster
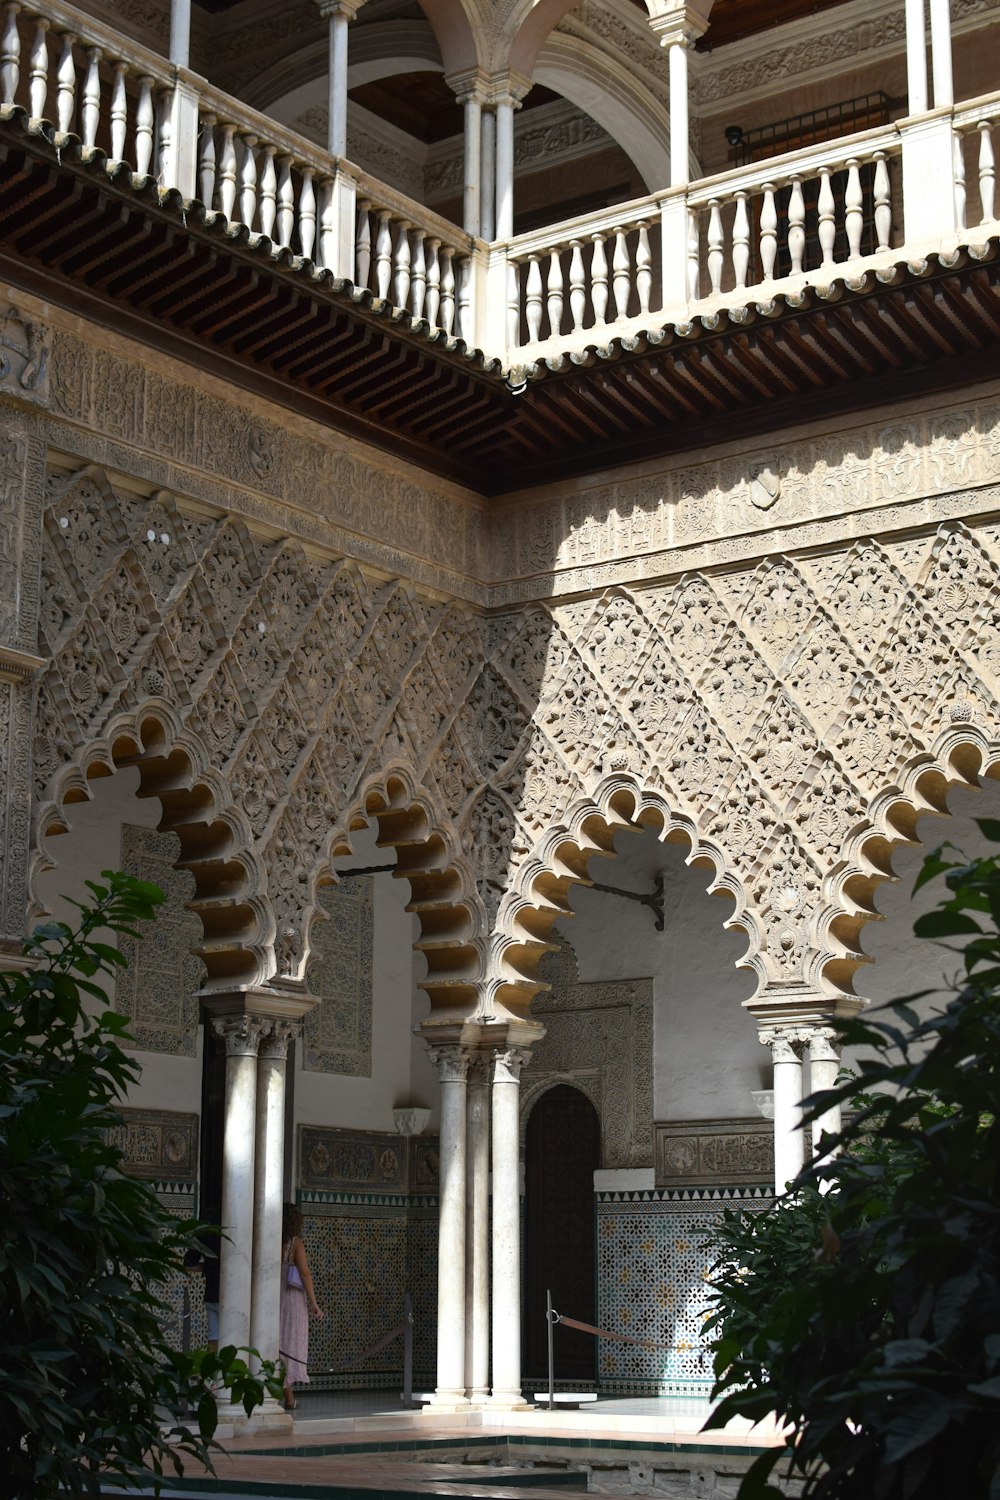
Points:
[307,214]
[119,111]
[363,245]
[432,297]
[599,279]
[227,173]
[248,181]
[958,155]
[621,273]
[418,275]
[883,201]
[987,171]
[533,300]
[796,224]
[206,162]
[716,243]
[693,259]
[768,232]
[268,193]
[447,308]
[66,85]
[38,86]
[854,208]
[826,209]
[741,239]
[513,305]
[164,136]
[401,265]
[90,115]
[383,255]
[10,55]
[465,328]
[327,225]
[577,284]
[643,269]
[144,121]
[285,217]
[554,293]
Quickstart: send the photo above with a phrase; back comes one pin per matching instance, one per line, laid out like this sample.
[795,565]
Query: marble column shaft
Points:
[506,1390]
[487,175]
[477,1237]
[824,1065]
[679,113]
[241,1035]
[269,1162]
[504,211]
[789,1139]
[452,1063]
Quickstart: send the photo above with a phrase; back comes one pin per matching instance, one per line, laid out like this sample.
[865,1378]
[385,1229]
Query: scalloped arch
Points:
[559,859]
[216,841]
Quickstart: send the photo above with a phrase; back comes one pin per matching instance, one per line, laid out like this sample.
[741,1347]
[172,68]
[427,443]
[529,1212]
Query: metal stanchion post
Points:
[551,1322]
[408,1349]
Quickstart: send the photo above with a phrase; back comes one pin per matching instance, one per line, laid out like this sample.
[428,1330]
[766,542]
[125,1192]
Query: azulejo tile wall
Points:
[371,1215]
[653,1253]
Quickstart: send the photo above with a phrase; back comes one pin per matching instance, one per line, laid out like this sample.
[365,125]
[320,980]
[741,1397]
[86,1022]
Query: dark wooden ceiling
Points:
[174,277]
[424,106]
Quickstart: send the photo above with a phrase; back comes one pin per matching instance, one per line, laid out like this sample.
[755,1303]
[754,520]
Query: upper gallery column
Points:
[338,14]
[452,1063]
[180,33]
[507,94]
[678,28]
[468,88]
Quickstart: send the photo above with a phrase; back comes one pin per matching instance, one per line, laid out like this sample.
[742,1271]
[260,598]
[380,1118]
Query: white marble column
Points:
[180,32]
[241,1035]
[269,1163]
[452,1063]
[789,1140]
[944,88]
[488,175]
[338,14]
[477,1235]
[916,57]
[471,98]
[824,1065]
[504,209]
[507,1064]
[680,129]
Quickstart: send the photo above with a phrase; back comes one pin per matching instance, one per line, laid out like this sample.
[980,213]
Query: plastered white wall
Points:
[401,1073]
[93,844]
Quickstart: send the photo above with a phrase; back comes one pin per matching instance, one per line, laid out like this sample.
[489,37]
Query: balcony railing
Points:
[726,241]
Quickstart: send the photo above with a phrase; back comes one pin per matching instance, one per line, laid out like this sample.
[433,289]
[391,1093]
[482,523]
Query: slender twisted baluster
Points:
[401,265]
[119,111]
[38,86]
[206,161]
[554,293]
[268,193]
[854,200]
[432,296]
[533,300]
[768,232]
[144,119]
[66,85]
[465,329]
[383,255]
[248,181]
[227,173]
[643,269]
[363,245]
[959,158]
[621,273]
[10,55]
[577,284]
[741,239]
[90,115]
[285,218]
[418,274]
[164,135]
[827,220]
[693,261]
[716,243]
[883,202]
[447,290]
[987,171]
[307,214]
[796,225]
[599,279]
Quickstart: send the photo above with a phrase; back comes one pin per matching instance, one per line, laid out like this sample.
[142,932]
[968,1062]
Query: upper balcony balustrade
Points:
[831,211]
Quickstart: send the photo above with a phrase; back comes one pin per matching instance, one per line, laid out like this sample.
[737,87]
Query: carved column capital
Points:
[241,1034]
[785,1043]
[823,1043]
[508,1062]
[330,9]
[479,1067]
[451,1061]
[274,1042]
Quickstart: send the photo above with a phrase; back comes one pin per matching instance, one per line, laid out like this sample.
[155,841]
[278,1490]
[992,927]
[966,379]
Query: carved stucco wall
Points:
[598,1038]
[337,1036]
[158,990]
[764,704]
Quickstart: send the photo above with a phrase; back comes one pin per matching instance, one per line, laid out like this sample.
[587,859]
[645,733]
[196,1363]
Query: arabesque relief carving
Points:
[764,711]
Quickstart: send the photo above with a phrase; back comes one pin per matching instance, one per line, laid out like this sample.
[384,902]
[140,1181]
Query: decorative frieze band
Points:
[355,1161]
[705,1152]
[160,1144]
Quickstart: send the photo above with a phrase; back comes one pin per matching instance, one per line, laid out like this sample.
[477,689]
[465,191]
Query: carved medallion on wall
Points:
[706,1152]
[158,991]
[333,1160]
[337,1037]
[161,1144]
[599,1039]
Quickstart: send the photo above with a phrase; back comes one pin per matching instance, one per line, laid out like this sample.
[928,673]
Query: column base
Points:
[510,1401]
[446,1401]
[268,1417]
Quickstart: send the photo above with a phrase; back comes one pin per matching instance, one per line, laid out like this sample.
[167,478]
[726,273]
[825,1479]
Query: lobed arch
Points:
[441,884]
[962,756]
[216,841]
[560,859]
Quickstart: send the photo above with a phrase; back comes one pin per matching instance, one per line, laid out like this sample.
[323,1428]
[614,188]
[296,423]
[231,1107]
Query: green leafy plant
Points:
[864,1309]
[91,1390]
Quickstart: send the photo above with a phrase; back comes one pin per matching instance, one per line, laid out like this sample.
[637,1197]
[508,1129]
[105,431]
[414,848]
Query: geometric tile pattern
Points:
[653,1252]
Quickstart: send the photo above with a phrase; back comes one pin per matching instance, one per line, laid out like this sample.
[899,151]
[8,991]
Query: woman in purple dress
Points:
[297,1301]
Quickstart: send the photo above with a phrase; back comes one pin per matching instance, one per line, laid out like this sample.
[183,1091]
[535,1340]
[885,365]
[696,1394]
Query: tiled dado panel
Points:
[653,1251]
[371,1215]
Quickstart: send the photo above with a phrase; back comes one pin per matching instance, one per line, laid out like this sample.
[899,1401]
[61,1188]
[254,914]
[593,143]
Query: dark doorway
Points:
[562,1152]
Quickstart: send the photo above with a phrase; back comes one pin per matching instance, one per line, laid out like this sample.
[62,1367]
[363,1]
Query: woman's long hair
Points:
[291,1222]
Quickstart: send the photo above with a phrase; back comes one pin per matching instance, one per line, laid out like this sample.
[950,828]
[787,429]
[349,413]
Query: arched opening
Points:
[562,1153]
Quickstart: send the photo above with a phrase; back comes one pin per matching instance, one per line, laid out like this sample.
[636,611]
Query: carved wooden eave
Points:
[113,248]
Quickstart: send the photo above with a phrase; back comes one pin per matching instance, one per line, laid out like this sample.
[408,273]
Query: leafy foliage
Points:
[865,1308]
[90,1386]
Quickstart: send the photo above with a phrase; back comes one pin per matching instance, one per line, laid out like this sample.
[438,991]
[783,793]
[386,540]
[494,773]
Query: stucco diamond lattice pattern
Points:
[652,1258]
[158,991]
[338,1033]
